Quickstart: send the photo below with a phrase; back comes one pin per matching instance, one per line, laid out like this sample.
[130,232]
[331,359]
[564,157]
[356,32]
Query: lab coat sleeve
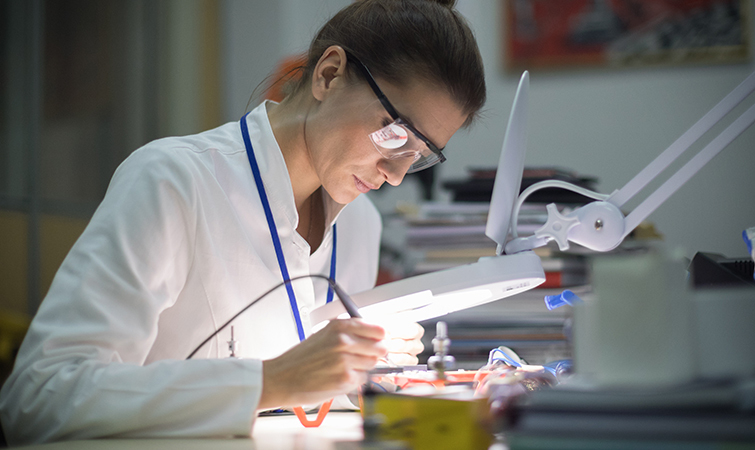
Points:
[80,372]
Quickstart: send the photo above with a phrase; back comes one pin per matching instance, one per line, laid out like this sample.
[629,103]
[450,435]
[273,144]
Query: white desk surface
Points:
[269,433]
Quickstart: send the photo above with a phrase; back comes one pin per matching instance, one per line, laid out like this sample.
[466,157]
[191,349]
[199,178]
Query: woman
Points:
[194,228]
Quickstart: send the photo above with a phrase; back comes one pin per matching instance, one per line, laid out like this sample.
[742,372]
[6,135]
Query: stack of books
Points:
[445,235]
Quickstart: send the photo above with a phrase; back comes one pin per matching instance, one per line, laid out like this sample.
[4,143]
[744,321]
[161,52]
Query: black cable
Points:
[347,302]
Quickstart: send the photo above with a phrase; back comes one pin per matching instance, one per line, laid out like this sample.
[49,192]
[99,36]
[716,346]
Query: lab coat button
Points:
[304,311]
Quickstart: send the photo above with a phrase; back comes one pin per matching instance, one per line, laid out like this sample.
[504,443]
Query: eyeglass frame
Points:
[392,111]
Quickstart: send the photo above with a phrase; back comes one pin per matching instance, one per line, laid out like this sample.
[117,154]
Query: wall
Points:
[110,77]
[257,34]
[607,123]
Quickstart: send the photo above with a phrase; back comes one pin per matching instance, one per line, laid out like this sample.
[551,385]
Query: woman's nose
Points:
[394,169]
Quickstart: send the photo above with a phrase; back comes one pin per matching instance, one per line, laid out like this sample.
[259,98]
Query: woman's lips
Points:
[362,186]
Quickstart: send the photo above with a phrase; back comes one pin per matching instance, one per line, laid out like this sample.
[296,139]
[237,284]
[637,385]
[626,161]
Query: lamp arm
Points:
[601,225]
[660,195]
[662,161]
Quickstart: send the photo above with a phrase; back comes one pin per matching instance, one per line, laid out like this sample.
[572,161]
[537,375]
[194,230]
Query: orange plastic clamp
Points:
[299,411]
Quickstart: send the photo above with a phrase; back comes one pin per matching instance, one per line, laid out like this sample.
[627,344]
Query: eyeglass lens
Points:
[396,141]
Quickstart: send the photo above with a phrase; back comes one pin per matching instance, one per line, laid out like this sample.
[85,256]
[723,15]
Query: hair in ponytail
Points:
[402,40]
[447,3]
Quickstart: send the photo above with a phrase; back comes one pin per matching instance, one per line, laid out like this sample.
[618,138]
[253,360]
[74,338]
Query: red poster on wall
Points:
[620,33]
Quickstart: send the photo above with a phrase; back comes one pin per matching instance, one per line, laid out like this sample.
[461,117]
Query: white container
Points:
[637,330]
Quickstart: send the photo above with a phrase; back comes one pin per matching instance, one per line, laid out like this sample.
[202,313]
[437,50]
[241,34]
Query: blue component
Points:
[560,369]
[565,298]
[504,358]
[749,237]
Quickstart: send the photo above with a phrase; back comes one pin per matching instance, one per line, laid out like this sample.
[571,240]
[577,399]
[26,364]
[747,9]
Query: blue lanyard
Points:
[274,232]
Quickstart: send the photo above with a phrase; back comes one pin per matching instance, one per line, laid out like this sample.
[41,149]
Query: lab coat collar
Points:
[272,166]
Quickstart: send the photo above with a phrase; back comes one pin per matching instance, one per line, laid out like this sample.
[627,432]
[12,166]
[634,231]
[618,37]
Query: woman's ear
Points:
[329,72]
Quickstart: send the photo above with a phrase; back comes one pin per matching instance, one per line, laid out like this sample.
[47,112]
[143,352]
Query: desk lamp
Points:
[600,225]
[437,293]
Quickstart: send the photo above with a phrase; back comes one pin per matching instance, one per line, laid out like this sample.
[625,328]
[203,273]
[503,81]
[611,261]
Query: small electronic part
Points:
[565,298]
[233,345]
[749,236]
[441,361]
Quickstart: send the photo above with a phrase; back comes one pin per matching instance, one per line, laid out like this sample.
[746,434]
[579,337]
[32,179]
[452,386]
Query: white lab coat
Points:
[179,244]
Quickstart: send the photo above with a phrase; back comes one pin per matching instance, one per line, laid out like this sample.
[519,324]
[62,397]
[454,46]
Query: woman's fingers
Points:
[332,361]
[358,337]
[404,342]
[364,329]
[412,347]
[402,359]
[404,330]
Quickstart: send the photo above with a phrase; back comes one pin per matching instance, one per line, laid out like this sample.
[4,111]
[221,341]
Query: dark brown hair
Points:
[400,40]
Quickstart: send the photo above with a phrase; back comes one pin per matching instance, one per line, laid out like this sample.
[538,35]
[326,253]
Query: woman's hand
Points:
[404,342]
[333,361]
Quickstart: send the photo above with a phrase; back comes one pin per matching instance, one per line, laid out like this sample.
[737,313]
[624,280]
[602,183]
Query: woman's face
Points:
[338,129]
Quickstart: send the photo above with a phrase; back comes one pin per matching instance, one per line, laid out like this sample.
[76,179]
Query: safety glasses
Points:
[399,139]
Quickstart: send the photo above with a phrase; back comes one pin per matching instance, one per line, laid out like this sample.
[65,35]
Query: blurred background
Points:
[85,82]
